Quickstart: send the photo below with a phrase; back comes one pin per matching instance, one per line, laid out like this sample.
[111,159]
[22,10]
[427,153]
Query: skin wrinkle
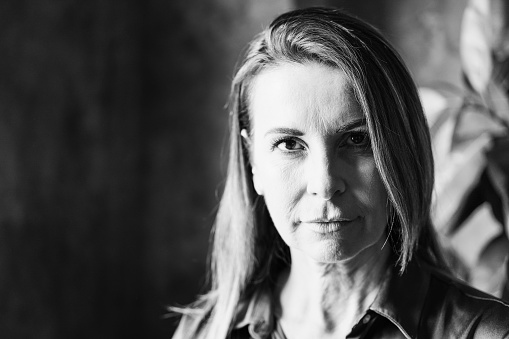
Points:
[317,173]
[332,275]
[344,166]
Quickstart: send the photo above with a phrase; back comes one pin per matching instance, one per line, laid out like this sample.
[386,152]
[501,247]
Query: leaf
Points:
[472,122]
[459,143]
[498,170]
[433,103]
[500,29]
[471,201]
[497,98]
[458,168]
[475,44]
[494,252]
[459,146]
[483,191]
[505,288]
[489,273]
[484,43]
[457,173]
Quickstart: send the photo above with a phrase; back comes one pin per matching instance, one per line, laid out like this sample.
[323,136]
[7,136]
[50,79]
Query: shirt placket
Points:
[361,329]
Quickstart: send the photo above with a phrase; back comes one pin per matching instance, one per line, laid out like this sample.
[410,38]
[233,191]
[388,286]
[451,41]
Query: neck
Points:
[330,297]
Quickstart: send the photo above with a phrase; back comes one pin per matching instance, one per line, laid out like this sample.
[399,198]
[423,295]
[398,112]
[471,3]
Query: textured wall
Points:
[69,175]
[427,35]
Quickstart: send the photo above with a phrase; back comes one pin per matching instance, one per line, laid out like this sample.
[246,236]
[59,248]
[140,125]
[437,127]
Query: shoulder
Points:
[465,309]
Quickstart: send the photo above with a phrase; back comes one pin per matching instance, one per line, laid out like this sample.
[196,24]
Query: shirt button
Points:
[366,319]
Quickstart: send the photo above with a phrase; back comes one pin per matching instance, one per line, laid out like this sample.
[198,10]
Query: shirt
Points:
[420,303]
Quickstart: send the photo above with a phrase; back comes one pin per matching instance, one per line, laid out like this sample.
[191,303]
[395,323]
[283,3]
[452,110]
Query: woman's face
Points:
[313,163]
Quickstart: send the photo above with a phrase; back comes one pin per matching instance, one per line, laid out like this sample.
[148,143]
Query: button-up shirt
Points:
[420,303]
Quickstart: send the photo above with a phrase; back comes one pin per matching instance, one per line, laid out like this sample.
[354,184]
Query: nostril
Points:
[324,182]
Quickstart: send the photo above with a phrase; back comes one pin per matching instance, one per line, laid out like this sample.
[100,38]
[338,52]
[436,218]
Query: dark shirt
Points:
[421,303]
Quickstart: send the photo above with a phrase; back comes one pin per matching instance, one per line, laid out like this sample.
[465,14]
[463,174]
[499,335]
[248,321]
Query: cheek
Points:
[272,174]
[374,195]
[281,190]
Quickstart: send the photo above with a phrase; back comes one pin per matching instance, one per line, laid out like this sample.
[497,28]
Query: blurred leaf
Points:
[489,273]
[434,104]
[501,74]
[453,260]
[457,173]
[484,43]
[471,141]
[497,99]
[475,44]
[500,29]
[498,170]
[483,191]
[472,122]
[499,88]
[505,287]
[442,141]
[457,166]
[494,253]
[459,145]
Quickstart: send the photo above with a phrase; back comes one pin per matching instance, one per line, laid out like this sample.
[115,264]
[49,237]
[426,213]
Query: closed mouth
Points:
[326,221]
[329,226]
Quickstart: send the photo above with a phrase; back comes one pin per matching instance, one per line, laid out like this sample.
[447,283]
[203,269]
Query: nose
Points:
[324,177]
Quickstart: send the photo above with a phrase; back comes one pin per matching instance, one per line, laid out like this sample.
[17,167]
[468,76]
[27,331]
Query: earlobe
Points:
[244,134]
[257,182]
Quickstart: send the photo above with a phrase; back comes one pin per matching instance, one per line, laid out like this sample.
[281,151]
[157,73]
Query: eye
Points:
[358,139]
[289,145]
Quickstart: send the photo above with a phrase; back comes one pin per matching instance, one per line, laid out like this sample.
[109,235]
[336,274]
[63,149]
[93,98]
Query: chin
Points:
[329,253]
[333,252]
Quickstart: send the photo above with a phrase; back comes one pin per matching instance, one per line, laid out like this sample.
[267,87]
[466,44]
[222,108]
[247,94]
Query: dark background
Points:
[112,124]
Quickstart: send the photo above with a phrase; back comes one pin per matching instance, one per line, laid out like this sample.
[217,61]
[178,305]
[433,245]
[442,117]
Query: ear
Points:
[244,135]
[257,182]
[256,179]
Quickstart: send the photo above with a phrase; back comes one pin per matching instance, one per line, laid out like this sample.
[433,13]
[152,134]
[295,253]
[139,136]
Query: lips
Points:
[327,219]
[324,226]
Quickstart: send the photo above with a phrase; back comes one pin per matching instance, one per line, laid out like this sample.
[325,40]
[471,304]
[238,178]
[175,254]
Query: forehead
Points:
[309,96]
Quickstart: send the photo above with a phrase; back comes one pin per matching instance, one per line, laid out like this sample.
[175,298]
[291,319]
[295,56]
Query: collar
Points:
[401,297]
[400,300]
[257,314]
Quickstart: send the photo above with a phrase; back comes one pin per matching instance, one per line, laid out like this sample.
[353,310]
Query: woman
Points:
[323,230]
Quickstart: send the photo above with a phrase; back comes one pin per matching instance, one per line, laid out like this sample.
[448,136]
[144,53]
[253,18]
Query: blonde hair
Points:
[246,250]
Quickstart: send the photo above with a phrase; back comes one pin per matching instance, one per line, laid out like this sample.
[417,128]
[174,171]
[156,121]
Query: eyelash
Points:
[365,143]
[283,140]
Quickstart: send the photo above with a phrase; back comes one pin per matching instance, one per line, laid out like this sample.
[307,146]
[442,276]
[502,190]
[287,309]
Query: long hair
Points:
[246,250]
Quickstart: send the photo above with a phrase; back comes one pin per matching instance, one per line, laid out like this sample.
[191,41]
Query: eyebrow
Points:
[283,130]
[292,131]
[352,125]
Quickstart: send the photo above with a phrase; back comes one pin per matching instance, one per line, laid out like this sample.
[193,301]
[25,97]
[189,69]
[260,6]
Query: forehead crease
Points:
[329,112]
[326,101]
